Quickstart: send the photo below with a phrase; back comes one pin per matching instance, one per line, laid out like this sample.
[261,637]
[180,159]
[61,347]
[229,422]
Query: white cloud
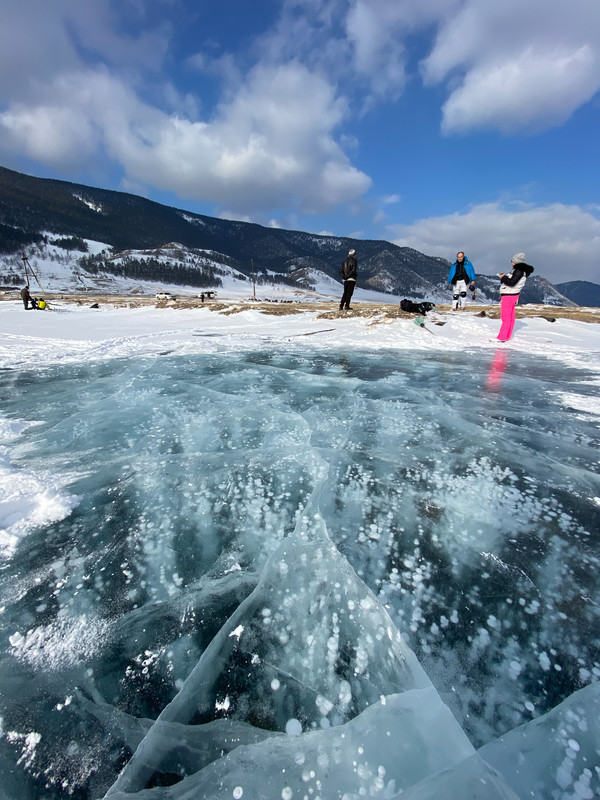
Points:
[377,30]
[561,241]
[507,95]
[272,145]
[39,41]
[509,65]
[377,52]
[56,135]
[309,32]
[515,65]
[222,67]
[231,215]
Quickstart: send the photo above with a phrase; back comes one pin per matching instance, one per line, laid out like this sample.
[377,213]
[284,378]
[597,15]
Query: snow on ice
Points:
[238,561]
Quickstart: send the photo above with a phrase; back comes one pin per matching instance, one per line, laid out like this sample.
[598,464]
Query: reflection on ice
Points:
[496,371]
[251,551]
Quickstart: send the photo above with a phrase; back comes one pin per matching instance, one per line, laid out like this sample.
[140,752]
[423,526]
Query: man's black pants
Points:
[348,292]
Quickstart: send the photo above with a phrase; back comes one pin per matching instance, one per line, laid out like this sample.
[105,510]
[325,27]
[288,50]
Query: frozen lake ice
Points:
[248,547]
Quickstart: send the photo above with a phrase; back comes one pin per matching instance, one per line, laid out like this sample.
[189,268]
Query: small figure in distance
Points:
[511,285]
[461,276]
[202,297]
[26,297]
[348,271]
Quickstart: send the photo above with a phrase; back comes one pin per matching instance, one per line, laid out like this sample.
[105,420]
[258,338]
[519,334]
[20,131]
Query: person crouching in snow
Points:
[461,276]
[511,285]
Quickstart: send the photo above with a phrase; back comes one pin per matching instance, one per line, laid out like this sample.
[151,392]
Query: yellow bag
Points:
[41,304]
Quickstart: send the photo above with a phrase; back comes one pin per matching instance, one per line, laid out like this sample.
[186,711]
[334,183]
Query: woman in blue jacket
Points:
[461,276]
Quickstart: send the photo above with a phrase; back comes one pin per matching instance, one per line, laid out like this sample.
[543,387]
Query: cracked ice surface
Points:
[276,574]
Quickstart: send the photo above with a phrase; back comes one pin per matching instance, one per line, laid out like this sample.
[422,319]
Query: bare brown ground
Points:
[327,310]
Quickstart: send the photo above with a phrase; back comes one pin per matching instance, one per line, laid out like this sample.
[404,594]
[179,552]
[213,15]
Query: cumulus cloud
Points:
[78,88]
[55,135]
[380,216]
[39,41]
[377,30]
[508,66]
[377,52]
[271,145]
[514,65]
[561,241]
[507,95]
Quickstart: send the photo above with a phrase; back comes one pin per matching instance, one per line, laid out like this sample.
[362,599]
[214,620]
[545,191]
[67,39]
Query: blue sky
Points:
[436,124]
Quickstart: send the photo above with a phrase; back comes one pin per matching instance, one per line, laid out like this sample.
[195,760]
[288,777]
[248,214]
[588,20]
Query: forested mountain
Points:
[126,222]
[582,293]
[32,208]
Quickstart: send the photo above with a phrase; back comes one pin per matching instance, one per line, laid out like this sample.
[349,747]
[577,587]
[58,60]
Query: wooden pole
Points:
[27,264]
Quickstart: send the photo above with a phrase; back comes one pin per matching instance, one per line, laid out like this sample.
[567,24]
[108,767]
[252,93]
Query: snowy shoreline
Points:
[72,333]
[448,485]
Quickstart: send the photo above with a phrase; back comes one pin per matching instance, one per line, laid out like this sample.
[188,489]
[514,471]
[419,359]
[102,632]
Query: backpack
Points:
[416,308]
[345,269]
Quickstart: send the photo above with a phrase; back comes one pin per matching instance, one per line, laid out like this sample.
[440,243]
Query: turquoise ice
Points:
[282,574]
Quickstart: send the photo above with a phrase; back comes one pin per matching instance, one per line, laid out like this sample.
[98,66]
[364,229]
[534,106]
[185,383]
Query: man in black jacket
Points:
[348,271]
[26,297]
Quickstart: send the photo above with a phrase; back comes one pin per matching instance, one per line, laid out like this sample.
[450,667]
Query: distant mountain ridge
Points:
[582,293]
[125,221]
[31,207]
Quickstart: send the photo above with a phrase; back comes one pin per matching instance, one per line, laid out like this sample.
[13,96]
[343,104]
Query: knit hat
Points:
[518,258]
[353,253]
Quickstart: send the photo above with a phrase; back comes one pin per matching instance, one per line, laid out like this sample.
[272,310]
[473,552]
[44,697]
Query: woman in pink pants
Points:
[511,285]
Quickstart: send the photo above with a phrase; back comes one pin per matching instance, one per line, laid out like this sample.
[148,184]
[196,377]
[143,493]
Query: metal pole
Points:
[27,263]
[24,257]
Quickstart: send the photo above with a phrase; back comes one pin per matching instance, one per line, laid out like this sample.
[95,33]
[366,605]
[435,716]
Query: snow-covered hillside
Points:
[52,268]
